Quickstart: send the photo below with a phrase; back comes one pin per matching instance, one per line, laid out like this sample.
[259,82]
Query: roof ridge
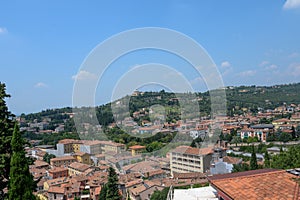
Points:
[252,175]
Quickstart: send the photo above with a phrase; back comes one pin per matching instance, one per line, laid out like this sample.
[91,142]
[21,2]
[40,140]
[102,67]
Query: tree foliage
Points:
[287,159]
[21,184]
[253,160]
[160,195]
[47,157]
[267,160]
[6,130]
[110,191]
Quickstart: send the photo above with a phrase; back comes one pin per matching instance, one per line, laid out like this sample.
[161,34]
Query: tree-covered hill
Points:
[239,99]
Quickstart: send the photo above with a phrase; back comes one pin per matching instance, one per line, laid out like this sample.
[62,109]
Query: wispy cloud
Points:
[294,55]
[291,4]
[40,85]
[271,67]
[225,64]
[3,30]
[225,68]
[84,75]
[294,69]
[247,73]
[264,63]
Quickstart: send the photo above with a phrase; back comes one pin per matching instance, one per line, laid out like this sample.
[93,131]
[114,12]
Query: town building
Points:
[62,161]
[58,172]
[77,168]
[187,159]
[137,149]
[82,158]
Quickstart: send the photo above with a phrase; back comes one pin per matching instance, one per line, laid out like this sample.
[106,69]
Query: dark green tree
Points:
[47,157]
[102,195]
[6,130]
[240,167]
[287,159]
[285,137]
[267,160]
[160,195]
[110,191]
[21,184]
[253,160]
[112,186]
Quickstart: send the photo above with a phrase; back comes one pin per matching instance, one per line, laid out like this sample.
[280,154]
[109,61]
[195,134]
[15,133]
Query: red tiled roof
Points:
[57,169]
[70,141]
[62,158]
[258,184]
[79,166]
[193,151]
[40,163]
[136,147]
[57,190]
[232,160]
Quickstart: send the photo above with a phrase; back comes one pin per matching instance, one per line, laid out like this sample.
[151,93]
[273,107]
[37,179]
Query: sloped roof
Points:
[258,184]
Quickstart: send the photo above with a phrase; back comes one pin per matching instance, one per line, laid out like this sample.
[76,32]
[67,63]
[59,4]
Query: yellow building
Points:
[277,123]
[77,168]
[71,145]
[82,157]
[65,161]
[109,146]
[137,149]
[55,182]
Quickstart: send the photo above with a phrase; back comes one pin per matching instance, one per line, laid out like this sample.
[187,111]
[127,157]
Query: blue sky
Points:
[42,44]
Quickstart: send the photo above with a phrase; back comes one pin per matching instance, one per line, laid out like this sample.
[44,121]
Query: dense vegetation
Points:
[239,99]
[14,165]
[21,183]
[288,159]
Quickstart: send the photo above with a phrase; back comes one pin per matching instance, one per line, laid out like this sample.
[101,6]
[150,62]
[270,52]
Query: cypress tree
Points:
[253,160]
[267,160]
[112,192]
[102,195]
[21,184]
[6,130]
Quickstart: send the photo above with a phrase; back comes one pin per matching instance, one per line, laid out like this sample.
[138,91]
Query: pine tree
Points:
[112,186]
[6,130]
[253,160]
[21,184]
[267,160]
[110,191]
[102,195]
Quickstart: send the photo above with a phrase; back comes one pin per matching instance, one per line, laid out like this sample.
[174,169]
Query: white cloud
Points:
[225,64]
[264,63]
[84,75]
[248,73]
[291,4]
[40,85]
[271,67]
[294,69]
[197,80]
[294,55]
[3,30]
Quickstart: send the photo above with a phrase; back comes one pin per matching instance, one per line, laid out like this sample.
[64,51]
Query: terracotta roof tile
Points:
[135,147]
[57,190]
[193,151]
[79,166]
[258,184]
